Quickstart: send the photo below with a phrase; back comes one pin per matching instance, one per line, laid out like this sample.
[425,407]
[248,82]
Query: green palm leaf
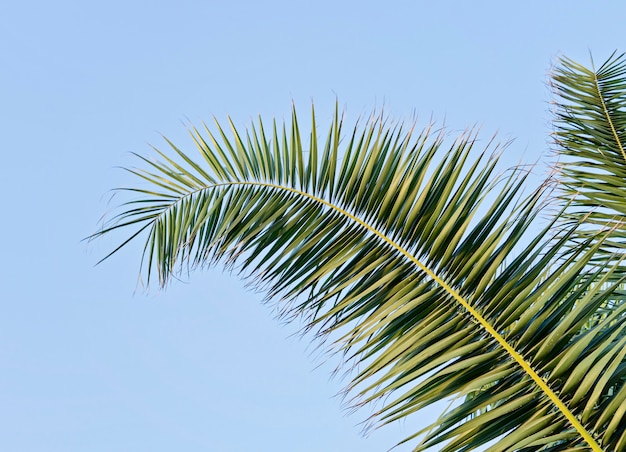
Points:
[590,135]
[416,260]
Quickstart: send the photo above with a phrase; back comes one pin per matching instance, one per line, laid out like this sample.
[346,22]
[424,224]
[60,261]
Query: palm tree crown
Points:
[423,264]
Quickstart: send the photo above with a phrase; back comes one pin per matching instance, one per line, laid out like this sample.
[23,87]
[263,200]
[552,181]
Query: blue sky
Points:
[90,362]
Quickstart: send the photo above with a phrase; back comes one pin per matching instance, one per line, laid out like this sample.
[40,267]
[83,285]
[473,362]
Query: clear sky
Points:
[89,363]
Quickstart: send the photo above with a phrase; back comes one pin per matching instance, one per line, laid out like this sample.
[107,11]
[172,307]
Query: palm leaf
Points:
[415,258]
[590,135]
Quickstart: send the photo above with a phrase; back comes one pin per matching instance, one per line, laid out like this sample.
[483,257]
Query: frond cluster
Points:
[425,266]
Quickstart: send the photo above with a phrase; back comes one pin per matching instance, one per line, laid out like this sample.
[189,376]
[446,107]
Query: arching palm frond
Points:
[416,260]
[590,135]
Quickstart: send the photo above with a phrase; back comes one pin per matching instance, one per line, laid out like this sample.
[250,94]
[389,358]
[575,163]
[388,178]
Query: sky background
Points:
[91,362]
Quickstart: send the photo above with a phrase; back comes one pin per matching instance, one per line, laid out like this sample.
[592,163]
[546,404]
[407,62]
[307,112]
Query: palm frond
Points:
[416,258]
[590,137]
